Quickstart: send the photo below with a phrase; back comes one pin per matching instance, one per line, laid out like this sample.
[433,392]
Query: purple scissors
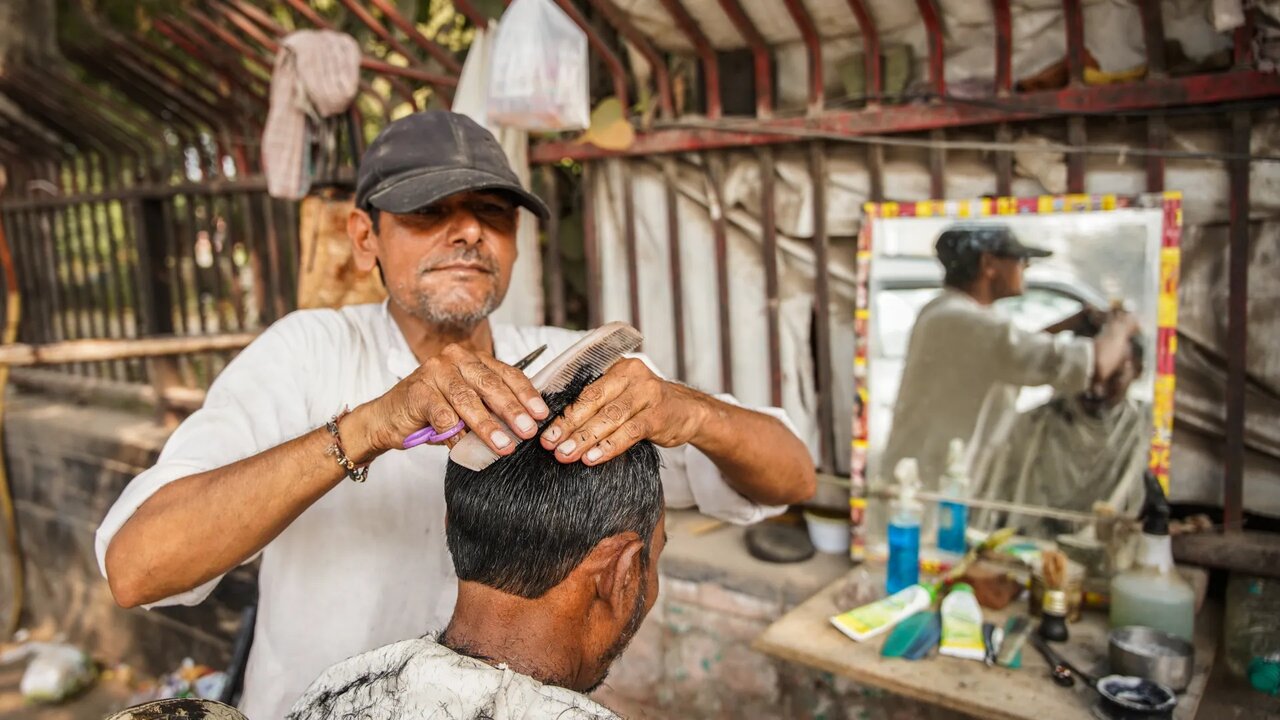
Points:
[428,434]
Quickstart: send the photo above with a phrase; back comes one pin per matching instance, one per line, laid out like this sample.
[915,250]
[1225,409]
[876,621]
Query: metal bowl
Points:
[1152,654]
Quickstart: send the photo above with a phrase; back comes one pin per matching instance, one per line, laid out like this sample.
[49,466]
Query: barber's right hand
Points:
[458,384]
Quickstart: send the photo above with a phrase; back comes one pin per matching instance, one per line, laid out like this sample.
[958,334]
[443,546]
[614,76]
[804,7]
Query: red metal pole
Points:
[258,15]
[822,308]
[616,71]
[591,246]
[706,55]
[553,259]
[769,242]
[1223,87]
[1074,16]
[476,17]
[629,243]
[813,46]
[1157,135]
[1237,326]
[1243,40]
[443,56]
[368,20]
[675,276]
[759,54]
[870,50]
[422,76]
[311,15]
[620,21]
[714,167]
[1004,46]
[937,58]
[1153,34]
[244,12]
[230,40]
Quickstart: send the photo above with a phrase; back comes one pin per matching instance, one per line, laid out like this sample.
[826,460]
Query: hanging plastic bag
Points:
[538,77]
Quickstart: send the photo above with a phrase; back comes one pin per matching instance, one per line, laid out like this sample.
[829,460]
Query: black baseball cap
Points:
[425,157]
[960,243]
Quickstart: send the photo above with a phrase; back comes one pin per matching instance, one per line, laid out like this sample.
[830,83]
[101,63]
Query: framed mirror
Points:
[1024,343]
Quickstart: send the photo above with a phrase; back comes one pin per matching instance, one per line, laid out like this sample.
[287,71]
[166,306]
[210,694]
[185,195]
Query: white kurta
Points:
[367,564]
[965,359]
[416,679]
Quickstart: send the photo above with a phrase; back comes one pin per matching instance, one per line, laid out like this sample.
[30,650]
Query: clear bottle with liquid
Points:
[1252,627]
[953,512]
[904,529]
[1152,593]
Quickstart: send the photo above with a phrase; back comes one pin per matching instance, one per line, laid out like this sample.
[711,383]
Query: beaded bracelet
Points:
[356,473]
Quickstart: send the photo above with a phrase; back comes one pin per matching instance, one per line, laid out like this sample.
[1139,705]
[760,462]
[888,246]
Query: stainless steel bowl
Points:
[1152,654]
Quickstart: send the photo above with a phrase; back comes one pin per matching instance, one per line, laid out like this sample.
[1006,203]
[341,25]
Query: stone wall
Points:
[67,464]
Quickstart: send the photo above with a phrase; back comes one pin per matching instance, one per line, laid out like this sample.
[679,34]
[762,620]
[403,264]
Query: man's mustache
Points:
[471,256]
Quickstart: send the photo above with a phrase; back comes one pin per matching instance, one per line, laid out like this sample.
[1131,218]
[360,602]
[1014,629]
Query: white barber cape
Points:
[366,565]
[420,678]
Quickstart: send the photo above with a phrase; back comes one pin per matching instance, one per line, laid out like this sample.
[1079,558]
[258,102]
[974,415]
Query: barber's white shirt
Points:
[367,564]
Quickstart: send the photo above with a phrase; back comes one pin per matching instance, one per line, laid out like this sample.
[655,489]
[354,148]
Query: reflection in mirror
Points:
[1033,340]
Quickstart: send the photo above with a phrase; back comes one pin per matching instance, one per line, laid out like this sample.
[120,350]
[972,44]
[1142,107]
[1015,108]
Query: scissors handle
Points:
[428,434]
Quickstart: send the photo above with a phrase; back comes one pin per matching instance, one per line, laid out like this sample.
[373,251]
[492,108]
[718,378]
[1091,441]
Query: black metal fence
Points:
[191,259]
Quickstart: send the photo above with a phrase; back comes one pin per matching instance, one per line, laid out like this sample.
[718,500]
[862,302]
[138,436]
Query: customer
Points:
[557,567]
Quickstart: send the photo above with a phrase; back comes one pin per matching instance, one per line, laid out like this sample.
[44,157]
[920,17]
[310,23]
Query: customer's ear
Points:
[616,563]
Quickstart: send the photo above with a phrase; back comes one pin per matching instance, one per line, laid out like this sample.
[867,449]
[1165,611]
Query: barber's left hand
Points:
[627,404]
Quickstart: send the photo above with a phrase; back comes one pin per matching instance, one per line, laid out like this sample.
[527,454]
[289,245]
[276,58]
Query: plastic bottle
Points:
[953,513]
[1252,628]
[1152,593]
[904,529]
[962,624]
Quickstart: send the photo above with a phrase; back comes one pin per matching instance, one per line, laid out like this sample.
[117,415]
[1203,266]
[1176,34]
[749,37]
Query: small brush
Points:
[1053,611]
[595,353]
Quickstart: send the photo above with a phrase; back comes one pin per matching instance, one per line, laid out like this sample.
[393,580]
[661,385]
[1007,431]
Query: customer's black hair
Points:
[525,522]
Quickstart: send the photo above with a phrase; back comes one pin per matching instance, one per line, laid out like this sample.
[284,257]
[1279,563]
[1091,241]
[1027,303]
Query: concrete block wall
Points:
[692,658]
[67,464]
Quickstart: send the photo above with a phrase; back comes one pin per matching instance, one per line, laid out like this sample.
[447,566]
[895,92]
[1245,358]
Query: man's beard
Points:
[624,639]
[431,309]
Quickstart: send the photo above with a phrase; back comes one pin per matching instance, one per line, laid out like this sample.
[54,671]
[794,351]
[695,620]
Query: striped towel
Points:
[316,75]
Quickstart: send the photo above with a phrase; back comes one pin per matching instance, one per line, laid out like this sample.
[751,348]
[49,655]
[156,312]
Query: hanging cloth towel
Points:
[316,75]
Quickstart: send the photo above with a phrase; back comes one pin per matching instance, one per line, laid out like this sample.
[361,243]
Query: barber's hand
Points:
[457,384]
[628,404]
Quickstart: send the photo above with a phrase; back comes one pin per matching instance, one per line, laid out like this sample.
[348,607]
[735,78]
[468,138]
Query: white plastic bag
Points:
[538,79]
[56,673]
[1226,14]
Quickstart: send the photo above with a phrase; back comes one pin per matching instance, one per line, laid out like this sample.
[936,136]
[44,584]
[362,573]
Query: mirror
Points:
[988,322]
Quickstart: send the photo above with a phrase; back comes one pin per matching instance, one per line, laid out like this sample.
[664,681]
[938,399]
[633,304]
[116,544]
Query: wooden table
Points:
[806,636]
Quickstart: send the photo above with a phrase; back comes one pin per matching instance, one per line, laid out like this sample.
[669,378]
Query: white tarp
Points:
[1112,32]
[1196,466]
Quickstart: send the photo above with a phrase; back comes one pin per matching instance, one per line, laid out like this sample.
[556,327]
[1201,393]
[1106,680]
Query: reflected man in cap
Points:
[262,468]
[965,359]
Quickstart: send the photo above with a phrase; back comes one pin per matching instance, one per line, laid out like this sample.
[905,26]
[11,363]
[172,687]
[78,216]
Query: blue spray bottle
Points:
[953,512]
[904,529]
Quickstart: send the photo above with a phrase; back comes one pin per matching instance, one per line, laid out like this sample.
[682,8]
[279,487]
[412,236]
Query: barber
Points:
[350,566]
[965,359]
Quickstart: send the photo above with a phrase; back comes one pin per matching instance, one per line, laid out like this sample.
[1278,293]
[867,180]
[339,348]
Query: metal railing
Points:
[150,261]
